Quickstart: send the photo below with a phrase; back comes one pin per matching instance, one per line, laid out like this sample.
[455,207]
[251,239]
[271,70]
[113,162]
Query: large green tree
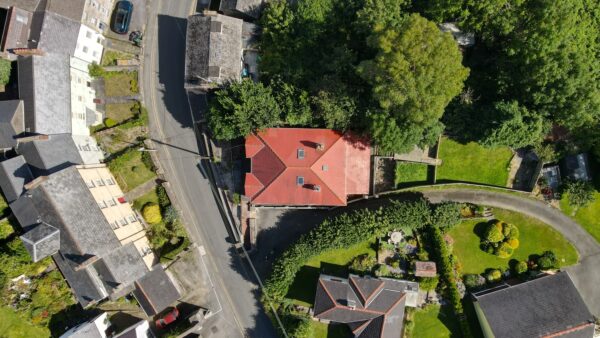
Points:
[415,74]
[242,108]
[513,126]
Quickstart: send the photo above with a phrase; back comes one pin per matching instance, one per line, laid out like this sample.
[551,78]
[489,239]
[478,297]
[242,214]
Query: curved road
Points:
[585,275]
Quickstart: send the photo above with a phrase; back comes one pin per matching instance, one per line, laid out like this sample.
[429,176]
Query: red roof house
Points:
[297,166]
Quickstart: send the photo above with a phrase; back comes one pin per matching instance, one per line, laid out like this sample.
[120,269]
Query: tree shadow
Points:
[480,228]
[305,284]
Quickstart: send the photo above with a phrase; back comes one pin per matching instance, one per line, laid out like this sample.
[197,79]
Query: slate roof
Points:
[251,8]
[25,212]
[371,307]
[155,291]
[549,305]
[121,267]
[12,122]
[214,49]
[18,24]
[332,166]
[14,174]
[49,156]
[71,9]
[64,201]
[42,241]
[85,284]
[44,81]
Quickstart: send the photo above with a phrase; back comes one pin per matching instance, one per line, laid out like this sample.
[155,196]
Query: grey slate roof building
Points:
[42,241]
[14,174]
[371,307]
[12,122]
[44,80]
[155,291]
[548,306]
[214,50]
[47,156]
[242,8]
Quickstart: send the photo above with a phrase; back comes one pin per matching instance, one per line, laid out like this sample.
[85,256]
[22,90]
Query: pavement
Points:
[141,190]
[585,275]
[174,136]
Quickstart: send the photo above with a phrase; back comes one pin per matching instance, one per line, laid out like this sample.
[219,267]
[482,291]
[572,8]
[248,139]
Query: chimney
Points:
[32,138]
[28,51]
[320,147]
[36,181]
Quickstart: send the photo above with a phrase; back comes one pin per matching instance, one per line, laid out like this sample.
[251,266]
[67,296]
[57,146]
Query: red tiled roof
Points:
[339,164]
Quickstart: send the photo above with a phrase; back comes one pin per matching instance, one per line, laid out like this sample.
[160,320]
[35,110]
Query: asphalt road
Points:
[177,147]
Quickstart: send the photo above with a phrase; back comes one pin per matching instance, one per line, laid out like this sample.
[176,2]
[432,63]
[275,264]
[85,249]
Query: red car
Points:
[167,319]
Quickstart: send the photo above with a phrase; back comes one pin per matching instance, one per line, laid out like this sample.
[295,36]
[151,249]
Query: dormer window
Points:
[300,153]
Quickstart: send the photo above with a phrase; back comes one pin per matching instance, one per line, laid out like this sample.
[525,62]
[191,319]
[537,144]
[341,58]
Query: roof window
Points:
[300,153]
[299,180]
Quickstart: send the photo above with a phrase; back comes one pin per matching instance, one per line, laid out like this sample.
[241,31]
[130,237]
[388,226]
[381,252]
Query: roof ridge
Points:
[569,330]
[330,298]
[266,145]
[342,199]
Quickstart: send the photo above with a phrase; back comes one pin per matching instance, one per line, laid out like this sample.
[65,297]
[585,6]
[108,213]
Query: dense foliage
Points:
[501,239]
[5,67]
[580,193]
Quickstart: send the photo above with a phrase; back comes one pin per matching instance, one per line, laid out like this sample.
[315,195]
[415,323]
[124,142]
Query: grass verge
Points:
[588,217]
[473,163]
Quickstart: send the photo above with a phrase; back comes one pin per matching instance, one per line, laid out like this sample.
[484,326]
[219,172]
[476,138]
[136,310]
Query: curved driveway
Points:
[585,275]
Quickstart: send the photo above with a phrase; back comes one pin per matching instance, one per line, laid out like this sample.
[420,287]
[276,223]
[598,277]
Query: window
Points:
[90,184]
[85,49]
[299,180]
[100,182]
[112,202]
[89,84]
[80,98]
[98,40]
[88,34]
[94,53]
[132,218]
[114,225]
[110,181]
[102,205]
[300,153]
[123,222]
[325,167]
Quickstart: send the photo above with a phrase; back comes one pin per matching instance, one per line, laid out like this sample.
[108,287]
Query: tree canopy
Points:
[514,126]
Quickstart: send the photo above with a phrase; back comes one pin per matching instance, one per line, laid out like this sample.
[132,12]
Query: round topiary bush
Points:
[521,267]
[504,250]
[473,281]
[493,232]
[151,213]
[513,242]
[493,275]
[109,123]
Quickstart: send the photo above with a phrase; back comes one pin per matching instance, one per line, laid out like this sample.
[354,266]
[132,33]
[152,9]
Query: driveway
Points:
[585,275]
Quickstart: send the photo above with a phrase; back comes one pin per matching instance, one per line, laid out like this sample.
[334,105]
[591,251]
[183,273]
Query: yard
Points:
[110,57]
[120,112]
[334,262]
[330,331]
[535,238]
[129,169]
[13,326]
[410,174]
[473,163]
[121,83]
[588,217]
[435,321]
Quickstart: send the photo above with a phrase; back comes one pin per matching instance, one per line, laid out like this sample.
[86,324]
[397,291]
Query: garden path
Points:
[141,190]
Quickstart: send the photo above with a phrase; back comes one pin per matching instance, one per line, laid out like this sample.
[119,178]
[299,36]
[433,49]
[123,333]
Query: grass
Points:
[119,111]
[129,170]
[150,197]
[110,57]
[321,330]
[410,173]
[588,217]
[535,238]
[120,83]
[4,210]
[13,326]
[333,262]
[473,163]
[435,321]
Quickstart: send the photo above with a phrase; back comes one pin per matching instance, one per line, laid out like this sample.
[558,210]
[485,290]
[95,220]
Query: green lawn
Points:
[334,262]
[3,205]
[473,163]
[588,217]
[435,321]
[13,326]
[150,197]
[410,173]
[120,84]
[129,170]
[119,111]
[535,238]
[321,330]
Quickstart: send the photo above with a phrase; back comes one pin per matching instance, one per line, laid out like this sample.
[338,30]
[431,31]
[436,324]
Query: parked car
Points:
[122,17]
[167,319]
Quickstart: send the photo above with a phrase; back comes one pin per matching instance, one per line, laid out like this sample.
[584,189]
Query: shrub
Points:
[163,198]
[473,281]
[151,213]
[395,264]
[547,260]
[514,232]
[96,70]
[513,243]
[580,193]
[133,86]
[147,160]
[504,250]
[109,123]
[382,271]
[521,267]
[428,283]
[237,199]
[493,233]
[5,67]
[170,214]
[302,329]
[363,263]
[493,275]
[446,215]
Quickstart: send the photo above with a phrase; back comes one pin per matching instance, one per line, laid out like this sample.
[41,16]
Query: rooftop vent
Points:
[316,187]
[351,304]
[320,147]
[216,26]
[325,167]
[299,180]
[300,153]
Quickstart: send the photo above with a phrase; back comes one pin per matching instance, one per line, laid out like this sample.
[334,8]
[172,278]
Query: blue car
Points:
[122,17]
